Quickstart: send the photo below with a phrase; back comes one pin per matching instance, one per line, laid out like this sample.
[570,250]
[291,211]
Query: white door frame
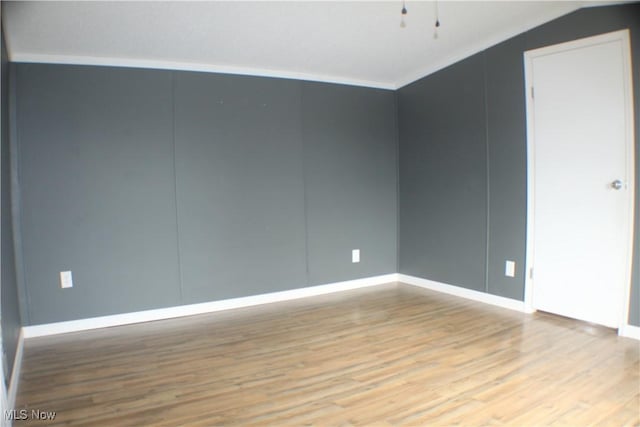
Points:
[623,37]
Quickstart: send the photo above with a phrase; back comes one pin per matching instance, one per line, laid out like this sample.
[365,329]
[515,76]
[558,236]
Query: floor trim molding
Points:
[201,308]
[458,291]
[629,331]
[12,393]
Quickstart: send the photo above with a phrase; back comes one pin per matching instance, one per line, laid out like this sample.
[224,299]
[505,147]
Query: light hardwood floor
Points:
[387,355]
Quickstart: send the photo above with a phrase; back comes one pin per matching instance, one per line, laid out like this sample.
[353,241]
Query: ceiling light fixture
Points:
[403,12]
[435,31]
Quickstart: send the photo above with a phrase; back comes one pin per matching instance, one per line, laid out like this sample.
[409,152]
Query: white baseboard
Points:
[464,293]
[207,307]
[15,373]
[629,331]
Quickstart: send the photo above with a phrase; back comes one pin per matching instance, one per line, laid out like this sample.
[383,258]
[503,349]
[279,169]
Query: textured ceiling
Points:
[359,43]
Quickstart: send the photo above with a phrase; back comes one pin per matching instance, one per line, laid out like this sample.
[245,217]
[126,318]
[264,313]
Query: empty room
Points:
[412,213]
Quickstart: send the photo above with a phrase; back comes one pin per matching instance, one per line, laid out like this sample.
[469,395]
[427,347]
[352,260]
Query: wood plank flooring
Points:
[387,355]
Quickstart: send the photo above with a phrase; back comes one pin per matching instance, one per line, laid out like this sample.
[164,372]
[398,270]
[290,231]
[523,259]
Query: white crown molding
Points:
[190,66]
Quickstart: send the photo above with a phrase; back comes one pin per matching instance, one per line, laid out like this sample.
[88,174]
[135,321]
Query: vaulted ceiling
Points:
[358,42]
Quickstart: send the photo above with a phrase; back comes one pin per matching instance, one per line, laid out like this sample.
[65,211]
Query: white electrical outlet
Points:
[355,255]
[66,279]
[510,268]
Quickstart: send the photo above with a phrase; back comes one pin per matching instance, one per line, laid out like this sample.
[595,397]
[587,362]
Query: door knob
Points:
[616,185]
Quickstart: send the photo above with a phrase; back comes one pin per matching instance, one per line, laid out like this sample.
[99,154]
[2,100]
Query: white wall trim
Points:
[528,262]
[192,66]
[213,306]
[15,373]
[207,307]
[629,331]
[470,294]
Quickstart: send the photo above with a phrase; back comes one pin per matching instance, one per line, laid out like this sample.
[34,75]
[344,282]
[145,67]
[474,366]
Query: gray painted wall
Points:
[239,183]
[96,171]
[350,141]
[497,72]
[9,312]
[443,176]
[178,182]
[164,188]
[507,202]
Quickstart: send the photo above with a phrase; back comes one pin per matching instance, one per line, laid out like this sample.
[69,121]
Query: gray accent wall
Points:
[500,173]
[350,141]
[240,185]
[160,188]
[96,171]
[443,191]
[9,312]
[506,176]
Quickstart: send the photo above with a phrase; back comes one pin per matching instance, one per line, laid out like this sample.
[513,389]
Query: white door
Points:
[580,137]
